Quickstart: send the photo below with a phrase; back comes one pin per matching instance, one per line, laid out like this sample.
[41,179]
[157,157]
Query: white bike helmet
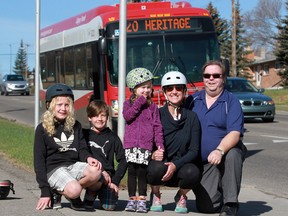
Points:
[173,78]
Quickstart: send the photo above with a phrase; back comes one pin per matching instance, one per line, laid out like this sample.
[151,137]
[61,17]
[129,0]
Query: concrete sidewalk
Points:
[22,203]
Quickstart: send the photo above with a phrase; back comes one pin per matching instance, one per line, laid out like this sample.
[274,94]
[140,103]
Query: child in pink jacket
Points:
[143,133]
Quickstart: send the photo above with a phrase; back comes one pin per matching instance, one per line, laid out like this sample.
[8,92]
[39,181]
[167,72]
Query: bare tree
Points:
[261,23]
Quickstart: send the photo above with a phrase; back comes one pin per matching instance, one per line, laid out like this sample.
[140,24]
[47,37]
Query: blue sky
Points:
[17,21]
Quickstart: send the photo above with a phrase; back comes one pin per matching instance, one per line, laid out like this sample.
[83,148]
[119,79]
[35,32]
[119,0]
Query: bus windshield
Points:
[185,52]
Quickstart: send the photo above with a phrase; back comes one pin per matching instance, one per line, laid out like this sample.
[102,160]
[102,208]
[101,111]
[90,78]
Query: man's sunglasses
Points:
[177,87]
[215,76]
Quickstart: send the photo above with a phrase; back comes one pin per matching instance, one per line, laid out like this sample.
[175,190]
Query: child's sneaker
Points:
[108,198]
[181,204]
[89,199]
[141,206]
[56,200]
[131,205]
[155,201]
[76,204]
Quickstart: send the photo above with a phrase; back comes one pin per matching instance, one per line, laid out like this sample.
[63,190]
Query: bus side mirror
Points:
[102,46]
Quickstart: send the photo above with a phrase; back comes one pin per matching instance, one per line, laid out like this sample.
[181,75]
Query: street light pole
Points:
[37,65]
[122,67]
[233,72]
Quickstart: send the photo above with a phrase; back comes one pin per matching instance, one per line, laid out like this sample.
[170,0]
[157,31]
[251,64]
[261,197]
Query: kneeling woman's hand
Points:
[171,168]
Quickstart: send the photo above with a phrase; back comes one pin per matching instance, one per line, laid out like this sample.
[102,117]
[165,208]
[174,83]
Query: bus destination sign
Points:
[160,24]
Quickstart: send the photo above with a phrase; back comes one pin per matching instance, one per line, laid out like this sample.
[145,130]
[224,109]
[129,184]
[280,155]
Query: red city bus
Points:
[82,51]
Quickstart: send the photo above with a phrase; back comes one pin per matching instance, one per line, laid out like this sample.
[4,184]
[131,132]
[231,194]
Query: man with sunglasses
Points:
[222,151]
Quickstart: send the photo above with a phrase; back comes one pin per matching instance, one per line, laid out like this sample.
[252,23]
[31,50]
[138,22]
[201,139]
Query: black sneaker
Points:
[56,200]
[89,205]
[89,199]
[77,204]
[229,209]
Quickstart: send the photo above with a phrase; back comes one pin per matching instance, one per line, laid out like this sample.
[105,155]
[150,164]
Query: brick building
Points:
[264,70]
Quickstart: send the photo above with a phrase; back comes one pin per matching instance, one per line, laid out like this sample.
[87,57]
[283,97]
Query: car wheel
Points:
[27,93]
[268,119]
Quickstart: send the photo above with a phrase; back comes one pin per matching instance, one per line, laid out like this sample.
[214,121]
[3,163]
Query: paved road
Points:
[18,108]
[22,203]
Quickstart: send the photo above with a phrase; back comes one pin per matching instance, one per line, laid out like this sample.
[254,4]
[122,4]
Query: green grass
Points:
[280,97]
[16,143]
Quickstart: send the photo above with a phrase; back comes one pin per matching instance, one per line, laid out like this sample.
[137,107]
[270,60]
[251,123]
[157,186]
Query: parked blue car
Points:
[254,103]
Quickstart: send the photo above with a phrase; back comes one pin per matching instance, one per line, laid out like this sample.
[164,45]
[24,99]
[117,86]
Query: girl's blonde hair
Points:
[49,120]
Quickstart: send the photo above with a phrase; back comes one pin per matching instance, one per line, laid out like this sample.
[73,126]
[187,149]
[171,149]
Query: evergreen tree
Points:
[282,48]
[223,31]
[20,66]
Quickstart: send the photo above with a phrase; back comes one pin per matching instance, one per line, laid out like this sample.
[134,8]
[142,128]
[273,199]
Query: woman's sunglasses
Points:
[177,87]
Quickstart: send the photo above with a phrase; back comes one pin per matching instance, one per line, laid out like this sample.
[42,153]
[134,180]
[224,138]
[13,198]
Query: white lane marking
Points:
[278,139]
[275,137]
[245,143]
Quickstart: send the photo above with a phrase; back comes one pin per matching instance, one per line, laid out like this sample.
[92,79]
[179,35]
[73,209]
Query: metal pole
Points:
[122,68]
[37,61]
[233,39]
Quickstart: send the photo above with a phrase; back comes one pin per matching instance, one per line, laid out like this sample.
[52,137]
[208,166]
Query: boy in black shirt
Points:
[105,145]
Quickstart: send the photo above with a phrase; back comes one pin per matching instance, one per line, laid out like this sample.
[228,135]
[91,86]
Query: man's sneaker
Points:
[155,202]
[77,204]
[131,205]
[141,206]
[181,204]
[229,209]
[56,200]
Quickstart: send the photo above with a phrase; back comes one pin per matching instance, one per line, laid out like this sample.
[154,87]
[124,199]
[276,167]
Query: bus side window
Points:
[80,65]
[69,67]
[89,59]
[50,71]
